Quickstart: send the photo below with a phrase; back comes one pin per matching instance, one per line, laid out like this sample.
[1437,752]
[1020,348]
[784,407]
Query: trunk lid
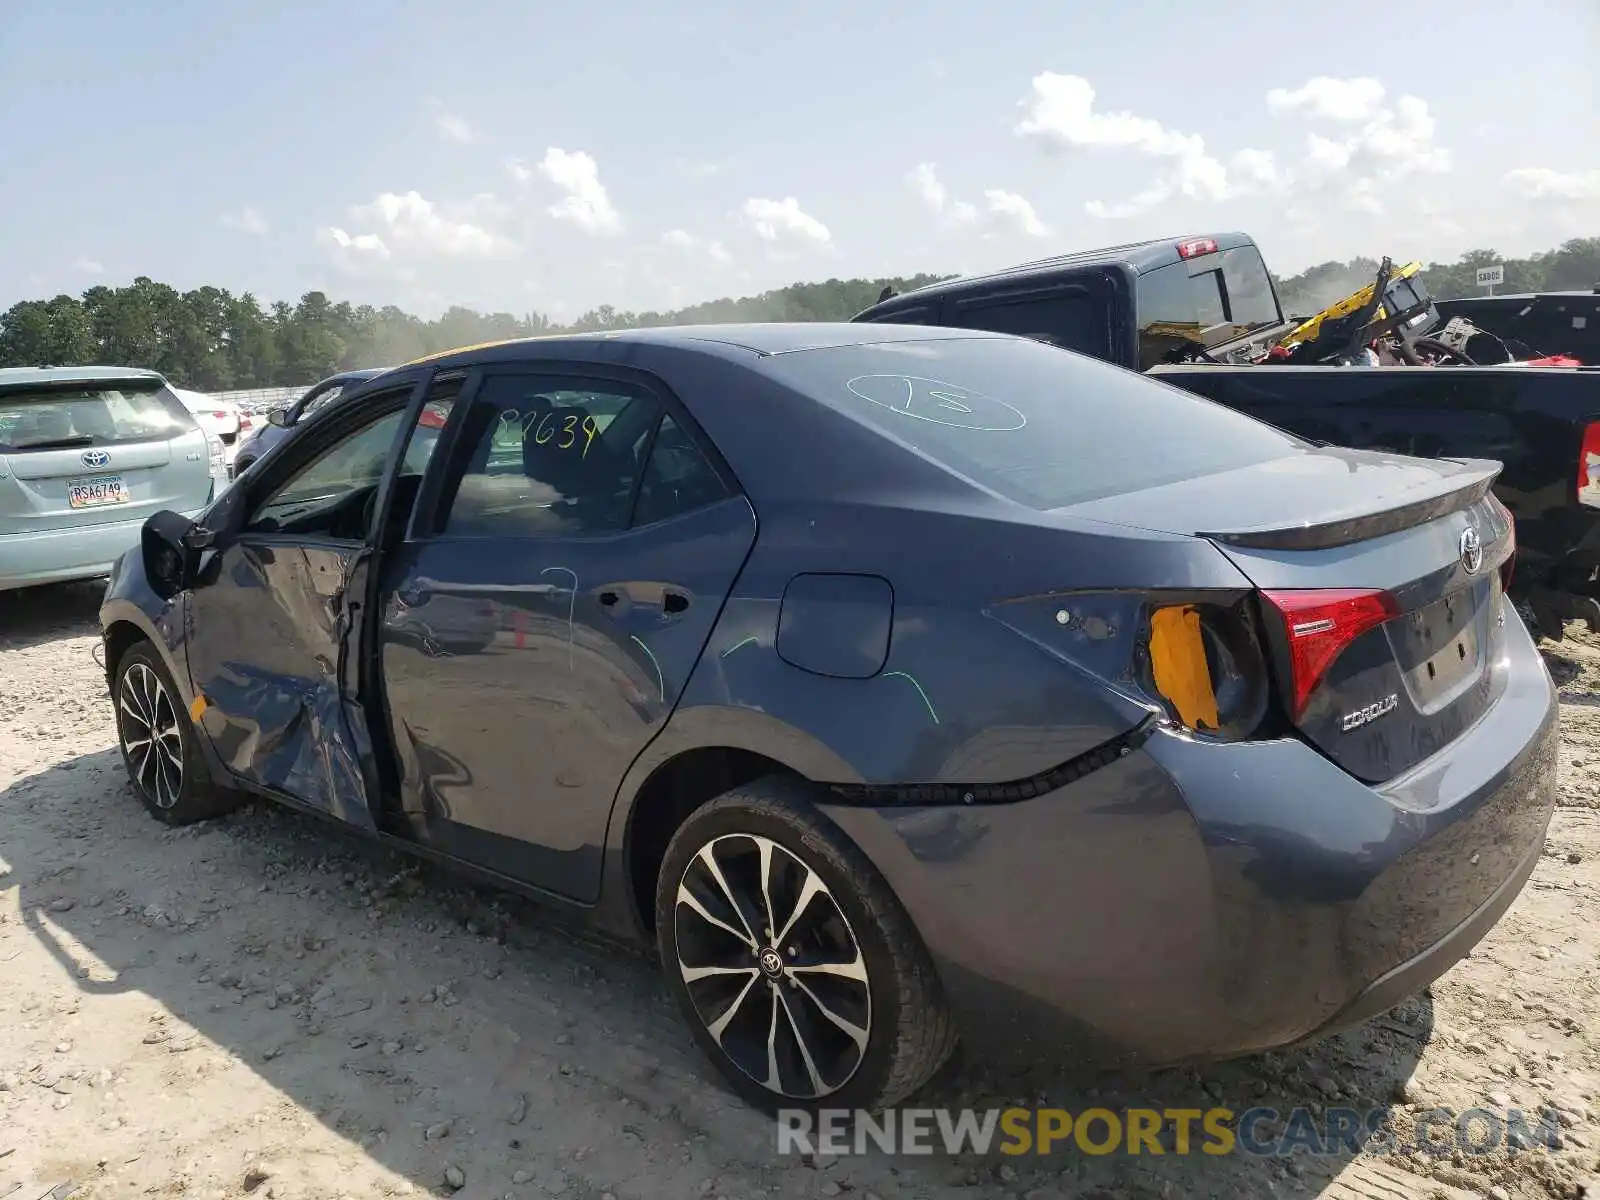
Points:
[1408,555]
[97,451]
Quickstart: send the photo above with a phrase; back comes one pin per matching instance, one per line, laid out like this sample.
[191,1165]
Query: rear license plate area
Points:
[97,492]
[1440,647]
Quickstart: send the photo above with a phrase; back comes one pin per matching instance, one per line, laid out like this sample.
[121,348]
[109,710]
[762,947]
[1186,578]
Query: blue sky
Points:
[522,156]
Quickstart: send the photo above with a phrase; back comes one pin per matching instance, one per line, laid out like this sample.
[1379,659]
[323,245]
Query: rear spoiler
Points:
[1343,531]
[133,382]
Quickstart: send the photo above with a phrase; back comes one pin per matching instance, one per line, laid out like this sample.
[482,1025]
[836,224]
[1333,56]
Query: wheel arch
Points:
[703,752]
[124,624]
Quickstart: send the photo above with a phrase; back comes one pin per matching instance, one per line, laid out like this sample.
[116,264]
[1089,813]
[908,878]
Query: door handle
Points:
[609,599]
[674,602]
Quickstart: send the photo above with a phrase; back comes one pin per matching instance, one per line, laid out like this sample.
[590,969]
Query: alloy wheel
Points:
[151,737]
[772,966]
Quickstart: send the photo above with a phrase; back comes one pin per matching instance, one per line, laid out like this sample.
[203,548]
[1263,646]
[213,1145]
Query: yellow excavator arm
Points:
[1307,330]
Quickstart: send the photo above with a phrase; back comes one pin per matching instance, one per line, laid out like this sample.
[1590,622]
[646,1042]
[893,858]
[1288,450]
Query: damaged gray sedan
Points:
[896,684]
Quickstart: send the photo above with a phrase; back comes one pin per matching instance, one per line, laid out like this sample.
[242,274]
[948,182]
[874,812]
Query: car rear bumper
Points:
[1198,901]
[63,555]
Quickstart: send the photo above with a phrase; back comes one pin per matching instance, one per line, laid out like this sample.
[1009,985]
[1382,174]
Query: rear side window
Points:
[61,418]
[1071,321]
[1035,424]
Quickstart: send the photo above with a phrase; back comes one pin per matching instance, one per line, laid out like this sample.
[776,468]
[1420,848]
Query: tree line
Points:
[211,340]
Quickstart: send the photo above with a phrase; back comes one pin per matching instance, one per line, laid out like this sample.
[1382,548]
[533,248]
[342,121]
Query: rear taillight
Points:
[1589,466]
[1319,626]
[1195,247]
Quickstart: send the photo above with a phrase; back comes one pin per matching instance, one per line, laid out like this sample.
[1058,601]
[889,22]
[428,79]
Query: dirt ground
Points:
[264,1006]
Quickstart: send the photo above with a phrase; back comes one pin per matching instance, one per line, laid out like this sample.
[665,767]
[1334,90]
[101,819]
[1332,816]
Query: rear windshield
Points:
[1039,425]
[1203,302]
[58,418]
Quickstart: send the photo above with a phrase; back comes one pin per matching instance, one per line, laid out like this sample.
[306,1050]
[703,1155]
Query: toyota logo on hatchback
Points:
[95,458]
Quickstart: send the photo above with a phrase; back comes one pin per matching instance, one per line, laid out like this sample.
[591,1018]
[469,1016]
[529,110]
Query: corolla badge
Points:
[1471,551]
[1362,716]
[95,458]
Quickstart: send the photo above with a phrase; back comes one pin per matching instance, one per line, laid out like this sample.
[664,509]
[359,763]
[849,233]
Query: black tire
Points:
[909,1031]
[160,746]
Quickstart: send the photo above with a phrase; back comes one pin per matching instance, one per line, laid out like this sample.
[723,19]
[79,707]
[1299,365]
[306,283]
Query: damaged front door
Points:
[277,611]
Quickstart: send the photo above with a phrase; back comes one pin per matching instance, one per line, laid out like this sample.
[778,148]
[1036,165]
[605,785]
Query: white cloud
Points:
[1004,210]
[519,170]
[1391,142]
[586,203]
[357,246]
[682,239]
[1331,99]
[454,129]
[408,224]
[246,220]
[1544,183]
[85,265]
[1014,210]
[783,220]
[1059,114]
[925,179]
[1255,170]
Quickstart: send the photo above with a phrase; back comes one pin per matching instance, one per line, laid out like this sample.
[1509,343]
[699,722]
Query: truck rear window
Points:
[1039,425]
[1202,303]
[59,418]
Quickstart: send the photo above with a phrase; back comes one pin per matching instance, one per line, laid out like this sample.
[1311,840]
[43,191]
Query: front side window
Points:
[548,456]
[56,419]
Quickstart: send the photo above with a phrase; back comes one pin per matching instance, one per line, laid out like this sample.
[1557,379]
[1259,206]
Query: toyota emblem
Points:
[1471,551]
[95,458]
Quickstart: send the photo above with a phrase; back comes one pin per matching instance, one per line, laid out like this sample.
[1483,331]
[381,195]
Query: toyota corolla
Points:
[898,685]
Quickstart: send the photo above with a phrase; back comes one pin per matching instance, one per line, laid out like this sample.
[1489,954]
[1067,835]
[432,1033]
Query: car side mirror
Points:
[279,417]
[170,544]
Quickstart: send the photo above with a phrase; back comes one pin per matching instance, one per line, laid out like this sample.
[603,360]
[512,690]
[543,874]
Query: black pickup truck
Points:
[1202,313]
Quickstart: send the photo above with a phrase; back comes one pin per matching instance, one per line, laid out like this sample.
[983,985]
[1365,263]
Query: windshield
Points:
[1037,424]
[57,418]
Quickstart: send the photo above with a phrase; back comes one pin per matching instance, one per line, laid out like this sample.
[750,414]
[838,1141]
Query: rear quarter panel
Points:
[1529,419]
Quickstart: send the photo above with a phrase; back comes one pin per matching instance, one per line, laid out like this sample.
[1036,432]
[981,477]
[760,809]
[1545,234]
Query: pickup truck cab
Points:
[1202,313]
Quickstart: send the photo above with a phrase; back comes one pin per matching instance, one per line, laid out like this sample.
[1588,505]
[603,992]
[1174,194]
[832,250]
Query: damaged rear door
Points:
[275,617]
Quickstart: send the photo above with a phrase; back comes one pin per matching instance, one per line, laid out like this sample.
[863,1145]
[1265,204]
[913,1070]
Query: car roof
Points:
[759,338]
[21,377]
[1140,257]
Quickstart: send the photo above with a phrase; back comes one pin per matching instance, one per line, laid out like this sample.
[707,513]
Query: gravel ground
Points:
[263,1005]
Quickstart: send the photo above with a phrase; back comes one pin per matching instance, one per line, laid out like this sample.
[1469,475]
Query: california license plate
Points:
[92,493]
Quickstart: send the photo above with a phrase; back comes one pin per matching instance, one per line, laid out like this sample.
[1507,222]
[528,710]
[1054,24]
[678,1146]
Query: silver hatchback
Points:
[86,454]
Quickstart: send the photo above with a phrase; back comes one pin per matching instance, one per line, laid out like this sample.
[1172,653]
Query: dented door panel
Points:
[269,621]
